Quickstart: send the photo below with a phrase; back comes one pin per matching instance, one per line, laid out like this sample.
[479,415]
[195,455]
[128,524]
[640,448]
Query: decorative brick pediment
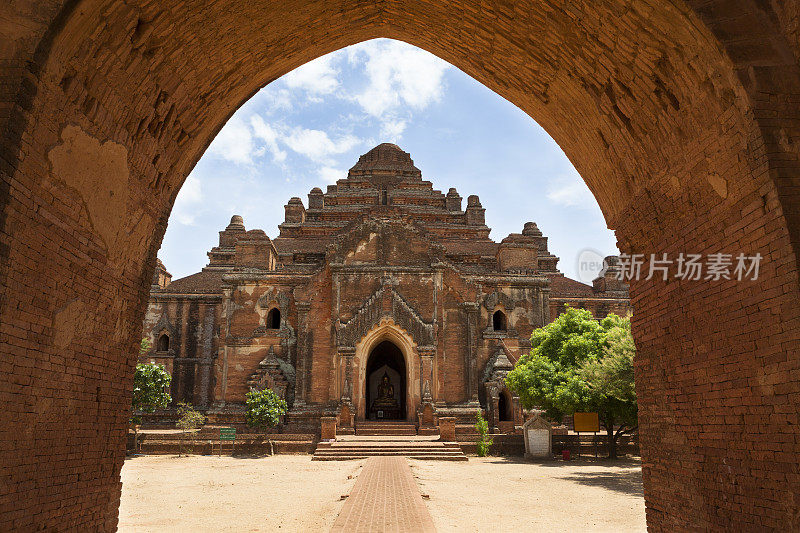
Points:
[164,325]
[276,374]
[377,241]
[386,302]
[498,367]
[492,300]
[272,296]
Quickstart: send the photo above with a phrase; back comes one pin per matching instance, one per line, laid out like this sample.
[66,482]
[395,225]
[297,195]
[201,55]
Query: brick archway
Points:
[386,331]
[680,119]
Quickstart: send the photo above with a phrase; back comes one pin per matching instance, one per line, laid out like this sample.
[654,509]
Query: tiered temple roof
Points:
[385,183]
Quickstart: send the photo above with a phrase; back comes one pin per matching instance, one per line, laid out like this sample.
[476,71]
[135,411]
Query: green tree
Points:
[150,385]
[264,408]
[482,427]
[577,363]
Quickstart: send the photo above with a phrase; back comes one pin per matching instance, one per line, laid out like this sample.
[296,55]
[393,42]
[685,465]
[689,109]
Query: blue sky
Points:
[308,128]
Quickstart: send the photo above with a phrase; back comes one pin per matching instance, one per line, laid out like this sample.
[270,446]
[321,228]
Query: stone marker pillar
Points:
[447,428]
[471,311]
[346,354]
[538,434]
[301,382]
[427,421]
[328,427]
[345,425]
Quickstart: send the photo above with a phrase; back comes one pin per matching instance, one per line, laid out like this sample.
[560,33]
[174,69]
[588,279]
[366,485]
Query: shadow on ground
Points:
[622,462]
[627,481]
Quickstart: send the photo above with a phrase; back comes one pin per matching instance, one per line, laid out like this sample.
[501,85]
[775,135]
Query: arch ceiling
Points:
[680,116]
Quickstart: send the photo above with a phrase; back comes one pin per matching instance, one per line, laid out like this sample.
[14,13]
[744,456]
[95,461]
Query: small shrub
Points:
[188,419]
[482,427]
[264,408]
[150,385]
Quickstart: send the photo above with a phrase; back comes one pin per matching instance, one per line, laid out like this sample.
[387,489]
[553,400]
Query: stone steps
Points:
[378,445]
[461,457]
[385,428]
[354,448]
[385,432]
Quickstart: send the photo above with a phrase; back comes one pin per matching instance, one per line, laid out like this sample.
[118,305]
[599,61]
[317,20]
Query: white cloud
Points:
[317,145]
[242,141]
[397,74]
[277,99]
[234,142]
[330,174]
[570,191]
[191,193]
[392,129]
[269,135]
[317,77]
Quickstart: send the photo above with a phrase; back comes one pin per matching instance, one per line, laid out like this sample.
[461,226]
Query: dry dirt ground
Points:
[292,493]
[196,494]
[499,494]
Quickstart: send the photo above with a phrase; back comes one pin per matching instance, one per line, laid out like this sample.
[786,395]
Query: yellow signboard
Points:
[586,422]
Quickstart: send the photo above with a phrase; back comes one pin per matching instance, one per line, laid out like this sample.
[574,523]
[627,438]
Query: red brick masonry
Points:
[385,498]
[681,116]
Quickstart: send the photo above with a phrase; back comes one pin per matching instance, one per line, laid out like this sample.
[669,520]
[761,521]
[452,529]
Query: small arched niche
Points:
[499,322]
[274,318]
[162,345]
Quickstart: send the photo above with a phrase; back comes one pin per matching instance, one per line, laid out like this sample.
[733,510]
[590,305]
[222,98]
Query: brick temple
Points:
[383,299]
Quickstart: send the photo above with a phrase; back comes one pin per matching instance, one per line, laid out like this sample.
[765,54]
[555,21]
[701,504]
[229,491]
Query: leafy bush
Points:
[188,418]
[150,385]
[482,427]
[264,408]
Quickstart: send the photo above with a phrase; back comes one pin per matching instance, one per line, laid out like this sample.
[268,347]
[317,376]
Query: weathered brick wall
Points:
[191,324]
[598,307]
[321,346]
[681,116]
[372,266]
[450,367]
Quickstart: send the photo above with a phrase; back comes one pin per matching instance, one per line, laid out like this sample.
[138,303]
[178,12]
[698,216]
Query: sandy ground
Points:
[206,493]
[497,494]
[292,493]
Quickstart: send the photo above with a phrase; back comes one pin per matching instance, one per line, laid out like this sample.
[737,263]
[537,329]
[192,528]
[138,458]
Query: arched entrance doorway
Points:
[385,387]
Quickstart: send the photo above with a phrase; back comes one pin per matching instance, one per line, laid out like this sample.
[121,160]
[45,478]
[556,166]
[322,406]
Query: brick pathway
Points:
[385,498]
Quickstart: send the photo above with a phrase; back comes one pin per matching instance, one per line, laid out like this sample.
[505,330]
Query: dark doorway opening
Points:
[163,343]
[274,319]
[385,388]
[499,321]
[504,407]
